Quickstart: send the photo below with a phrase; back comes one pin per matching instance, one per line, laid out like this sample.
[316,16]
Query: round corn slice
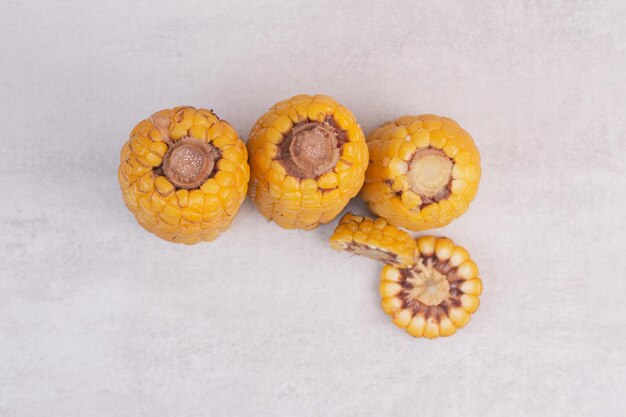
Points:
[308,158]
[183,174]
[423,171]
[435,296]
[375,239]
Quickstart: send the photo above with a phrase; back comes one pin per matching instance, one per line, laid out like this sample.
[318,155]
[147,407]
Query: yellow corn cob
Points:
[184,174]
[423,172]
[437,295]
[375,239]
[308,158]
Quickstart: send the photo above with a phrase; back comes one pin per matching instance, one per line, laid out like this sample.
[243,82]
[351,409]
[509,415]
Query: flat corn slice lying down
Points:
[183,174]
[308,158]
[435,296]
[375,239]
[423,172]
[430,286]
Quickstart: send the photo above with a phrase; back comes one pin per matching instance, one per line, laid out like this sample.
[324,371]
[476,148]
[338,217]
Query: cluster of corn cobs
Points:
[184,174]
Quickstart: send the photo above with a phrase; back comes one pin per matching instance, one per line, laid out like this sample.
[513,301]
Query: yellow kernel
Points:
[146,182]
[458,316]
[328,181]
[158,148]
[198,132]
[380,223]
[391,305]
[468,269]
[407,150]
[177,131]
[343,117]
[472,286]
[469,303]
[273,135]
[426,245]
[397,167]
[431,329]
[210,186]
[182,196]
[421,138]
[444,248]
[416,326]
[389,273]
[437,139]
[403,317]
[355,133]
[195,200]
[459,255]
[282,124]
[317,112]
[446,327]
[291,184]
[163,186]
[308,186]
[389,289]
[226,179]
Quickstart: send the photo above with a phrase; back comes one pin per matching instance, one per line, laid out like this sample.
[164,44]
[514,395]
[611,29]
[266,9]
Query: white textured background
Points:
[100,318]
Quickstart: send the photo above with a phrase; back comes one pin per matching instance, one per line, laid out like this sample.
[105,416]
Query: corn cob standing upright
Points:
[423,172]
[183,174]
[308,158]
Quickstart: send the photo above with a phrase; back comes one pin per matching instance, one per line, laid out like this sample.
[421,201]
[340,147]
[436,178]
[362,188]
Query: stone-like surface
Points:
[100,318]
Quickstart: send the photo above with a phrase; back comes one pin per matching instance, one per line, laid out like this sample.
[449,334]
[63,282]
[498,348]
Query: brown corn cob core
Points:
[431,287]
[430,175]
[310,150]
[377,254]
[189,162]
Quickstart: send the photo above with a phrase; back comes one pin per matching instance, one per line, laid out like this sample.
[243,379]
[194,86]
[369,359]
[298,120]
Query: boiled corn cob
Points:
[375,239]
[423,171]
[308,158]
[435,296]
[184,174]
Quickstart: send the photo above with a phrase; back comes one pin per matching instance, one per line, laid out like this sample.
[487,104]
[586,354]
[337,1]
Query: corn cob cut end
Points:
[310,150]
[437,295]
[429,174]
[189,162]
[375,239]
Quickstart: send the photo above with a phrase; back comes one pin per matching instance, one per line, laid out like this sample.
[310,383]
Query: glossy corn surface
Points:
[304,203]
[437,295]
[183,215]
[375,239]
[388,188]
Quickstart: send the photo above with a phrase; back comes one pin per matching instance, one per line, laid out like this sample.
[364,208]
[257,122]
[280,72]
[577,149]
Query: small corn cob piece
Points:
[375,239]
[308,158]
[423,171]
[435,296]
[183,174]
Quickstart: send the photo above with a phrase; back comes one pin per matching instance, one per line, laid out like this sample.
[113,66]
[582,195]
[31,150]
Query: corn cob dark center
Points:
[189,162]
[310,150]
[431,287]
[376,254]
[430,175]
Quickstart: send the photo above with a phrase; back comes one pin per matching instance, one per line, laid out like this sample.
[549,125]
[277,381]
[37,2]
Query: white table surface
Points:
[100,318]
